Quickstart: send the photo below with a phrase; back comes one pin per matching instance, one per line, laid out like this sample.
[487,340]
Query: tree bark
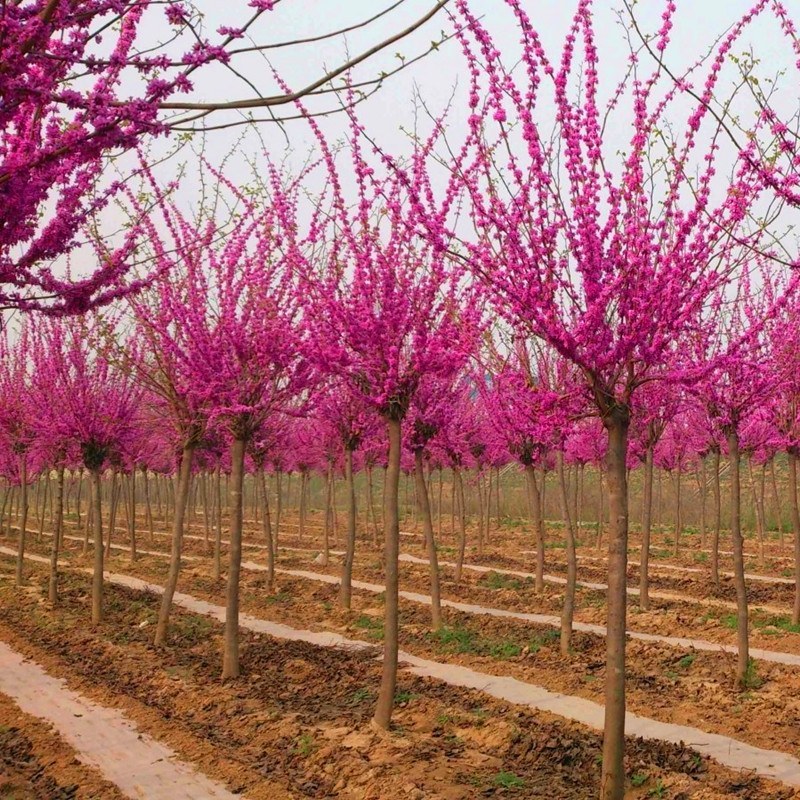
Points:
[742,636]
[217,567]
[57,530]
[230,662]
[385,704]
[97,523]
[346,585]
[647,517]
[568,610]
[184,480]
[23,518]
[458,491]
[267,523]
[536,515]
[613,776]
[430,544]
[776,496]
[717,494]
[678,511]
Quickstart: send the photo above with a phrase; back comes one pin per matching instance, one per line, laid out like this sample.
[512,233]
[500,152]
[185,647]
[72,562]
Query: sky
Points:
[435,78]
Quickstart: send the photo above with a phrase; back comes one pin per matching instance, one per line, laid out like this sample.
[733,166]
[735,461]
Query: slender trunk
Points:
[479,483]
[794,509]
[78,497]
[715,489]
[326,534]
[568,610]
[458,486]
[97,523]
[230,663]
[278,508]
[217,569]
[301,528]
[613,777]
[488,503]
[742,638]
[132,527]
[262,483]
[206,512]
[112,511]
[148,508]
[678,511]
[776,497]
[385,704]
[536,515]
[439,507]
[647,516]
[758,510]
[57,529]
[45,479]
[601,510]
[345,587]
[430,544]
[702,484]
[184,481]
[23,517]
[371,506]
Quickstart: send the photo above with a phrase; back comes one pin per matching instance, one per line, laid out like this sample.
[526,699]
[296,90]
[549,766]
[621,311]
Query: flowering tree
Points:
[386,311]
[604,256]
[98,410]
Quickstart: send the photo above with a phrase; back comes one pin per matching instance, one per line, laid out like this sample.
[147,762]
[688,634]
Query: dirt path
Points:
[103,737]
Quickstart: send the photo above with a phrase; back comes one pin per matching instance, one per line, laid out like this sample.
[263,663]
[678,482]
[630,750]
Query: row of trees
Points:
[636,280]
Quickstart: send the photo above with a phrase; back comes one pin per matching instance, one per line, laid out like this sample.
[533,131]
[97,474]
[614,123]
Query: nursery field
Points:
[399,400]
[486,702]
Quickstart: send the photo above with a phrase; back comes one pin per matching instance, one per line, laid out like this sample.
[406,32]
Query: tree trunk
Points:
[759,521]
[647,517]
[794,509]
[230,662]
[267,523]
[479,484]
[458,486]
[57,530]
[112,511]
[385,704]
[278,509]
[206,512]
[97,523]
[678,511]
[601,510]
[23,517]
[147,507]
[536,516]
[488,503]
[132,518]
[301,528]
[217,568]
[702,485]
[613,777]
[326,531]
[568,610]
[715,490]
[78,494]
[184,478]
[776,496]
[430,544]
[345,587]
[742,638]
[371,506]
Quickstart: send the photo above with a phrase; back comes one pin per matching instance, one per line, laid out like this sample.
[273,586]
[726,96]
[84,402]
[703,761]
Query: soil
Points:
[296,724]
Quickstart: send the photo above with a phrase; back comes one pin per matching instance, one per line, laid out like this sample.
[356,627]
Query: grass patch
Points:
[508,780]
[784,624]
[497,580]
[371,625]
